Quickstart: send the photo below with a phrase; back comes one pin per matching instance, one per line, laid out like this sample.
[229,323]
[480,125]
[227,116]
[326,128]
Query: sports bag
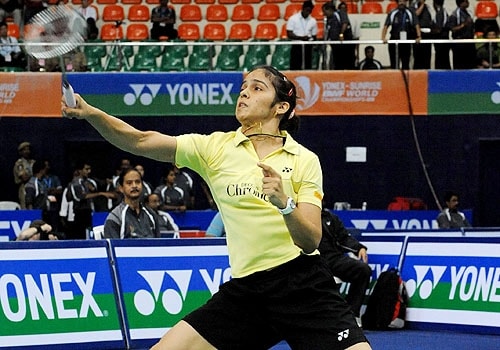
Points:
[386,308]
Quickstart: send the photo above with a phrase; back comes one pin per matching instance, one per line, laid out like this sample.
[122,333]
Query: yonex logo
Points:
[343,335]
[495,96]
[424,282]
[309,92]
[286,170]
[145,93]
[171,299]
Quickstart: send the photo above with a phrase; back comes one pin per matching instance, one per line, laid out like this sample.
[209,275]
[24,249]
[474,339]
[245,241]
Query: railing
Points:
[215,46]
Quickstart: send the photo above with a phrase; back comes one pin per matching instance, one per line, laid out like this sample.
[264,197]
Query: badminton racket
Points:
[54,32]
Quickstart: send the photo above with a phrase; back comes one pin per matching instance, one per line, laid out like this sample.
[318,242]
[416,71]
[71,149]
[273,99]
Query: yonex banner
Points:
[464,92]
[454,281]
[161,94]
[12,222]
[163,280]
[54,294]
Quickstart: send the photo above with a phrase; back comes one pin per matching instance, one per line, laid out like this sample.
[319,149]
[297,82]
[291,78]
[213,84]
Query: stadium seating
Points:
[144,63]
[240,31]
[106,2]
[228,2]
[137,31]
[190,13]
[266,31]
[110,32]
[229,58]
[151,50]
[214,31]
[391,6]
[138,13]
[281,57]
[216,13]
[189,31]
[268,12]
[486,10]
[291,9]
[242,12]
[317,13]
[113,13]
[371,7]
[131,2]
[13,30]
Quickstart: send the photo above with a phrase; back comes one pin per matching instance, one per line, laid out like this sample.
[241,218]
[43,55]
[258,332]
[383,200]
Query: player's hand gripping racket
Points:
[54,32]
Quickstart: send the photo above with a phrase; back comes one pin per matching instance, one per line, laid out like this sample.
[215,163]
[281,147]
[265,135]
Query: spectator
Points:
[66,212]
[216,227]
[147,188]
[23,170]
[82,191]
[39,230]
[302,26]
[344,54]
[422,52]
[54,191]
[87,11]
[441,31]
[184,181]
[369,62]
[163,19]
[165,220]
[488,54]
[404,26]
[451,217]
[462,27]
[11,54]
[334,245]
[11,8]
[131,219]
[172,196]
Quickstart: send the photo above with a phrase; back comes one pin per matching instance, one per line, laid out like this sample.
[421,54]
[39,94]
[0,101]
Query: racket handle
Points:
[69,94]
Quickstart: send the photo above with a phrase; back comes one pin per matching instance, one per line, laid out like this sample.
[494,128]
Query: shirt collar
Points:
[291,146]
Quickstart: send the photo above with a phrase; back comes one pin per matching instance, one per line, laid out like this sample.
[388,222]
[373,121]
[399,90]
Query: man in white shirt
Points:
[302,26]
[87,11]
[10,54]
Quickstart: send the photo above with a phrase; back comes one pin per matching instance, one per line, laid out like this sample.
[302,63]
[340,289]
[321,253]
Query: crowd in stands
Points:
[68,208]
[223,20]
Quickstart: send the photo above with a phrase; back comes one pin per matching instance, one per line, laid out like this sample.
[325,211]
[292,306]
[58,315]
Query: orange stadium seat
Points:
[266,31]
[486,10]
[317,13]
[113,13]
[269,12]
[391,6]
[216,13]
[131,2]
[106,2]
[110,32]
[275,1]
[137,31]
[242,12]
[189,31]
[371,7]
[228,2]
[13,30]
[352,7]
[283,34]
[190,13]
[180,1]
[138,13]
[321,30]
[214,31]
[250,1]
[240,31]
[204,1]
[292,9]
[153,2]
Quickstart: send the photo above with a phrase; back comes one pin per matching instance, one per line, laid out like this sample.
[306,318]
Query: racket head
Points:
[60,27]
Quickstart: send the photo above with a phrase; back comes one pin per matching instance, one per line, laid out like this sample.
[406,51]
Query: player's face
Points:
[255,103]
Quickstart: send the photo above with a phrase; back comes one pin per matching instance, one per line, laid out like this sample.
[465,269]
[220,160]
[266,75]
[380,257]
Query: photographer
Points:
[39,230]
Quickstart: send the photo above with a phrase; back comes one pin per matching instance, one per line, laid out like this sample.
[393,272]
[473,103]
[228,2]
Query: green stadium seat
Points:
[144,62]
[170,61]
[199,62]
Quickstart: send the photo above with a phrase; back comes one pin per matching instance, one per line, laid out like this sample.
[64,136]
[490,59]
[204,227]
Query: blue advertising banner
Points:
[163,280]
[453,282]
[12,222]
[57,294]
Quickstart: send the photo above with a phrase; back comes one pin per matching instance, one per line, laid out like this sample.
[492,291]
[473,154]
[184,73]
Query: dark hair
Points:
[37,166]
[328,6]
[448,194]
[308,5]
[285,92]
[125,172]
[369,47]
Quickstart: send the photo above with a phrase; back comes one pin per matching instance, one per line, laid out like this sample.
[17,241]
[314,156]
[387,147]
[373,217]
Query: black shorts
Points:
[296,302]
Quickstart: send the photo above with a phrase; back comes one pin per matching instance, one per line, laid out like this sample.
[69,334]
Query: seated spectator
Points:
[131,219]
[370,63]
[163,19]
[488,53]
[11,8]
[216,227]
[334,245]
[165,220]
[451,217]
[11,54]
[39,230]
[172,196]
